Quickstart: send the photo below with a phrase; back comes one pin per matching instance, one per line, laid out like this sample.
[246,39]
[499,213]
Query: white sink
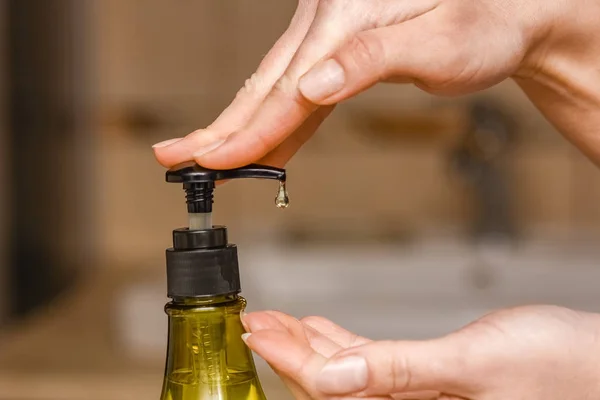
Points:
[385,292]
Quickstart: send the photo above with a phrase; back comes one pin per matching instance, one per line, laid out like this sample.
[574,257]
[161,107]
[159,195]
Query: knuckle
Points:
[287,89]
[354,340]
[383,366]
[263,143]
[398,376]
[285,86]
[400,368]
[253,85]
[365,50]
[201,137]
[455,66]
[195,134]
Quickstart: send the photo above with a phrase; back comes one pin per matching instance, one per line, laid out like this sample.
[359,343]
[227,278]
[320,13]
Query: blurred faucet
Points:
[480,160]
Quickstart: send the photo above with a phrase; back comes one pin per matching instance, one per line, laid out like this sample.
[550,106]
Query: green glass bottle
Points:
[206,356]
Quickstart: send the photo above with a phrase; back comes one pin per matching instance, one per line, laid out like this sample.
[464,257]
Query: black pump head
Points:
[199,182]
[202,262]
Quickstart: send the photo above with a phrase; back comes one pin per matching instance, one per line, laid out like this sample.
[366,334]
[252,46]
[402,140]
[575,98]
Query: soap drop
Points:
[282,200]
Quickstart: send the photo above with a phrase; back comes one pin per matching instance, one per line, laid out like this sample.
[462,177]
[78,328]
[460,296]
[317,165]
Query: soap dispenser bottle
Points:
[206,356]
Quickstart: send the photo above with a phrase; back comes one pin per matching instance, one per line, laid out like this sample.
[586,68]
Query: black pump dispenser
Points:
[201,262]
[199,182]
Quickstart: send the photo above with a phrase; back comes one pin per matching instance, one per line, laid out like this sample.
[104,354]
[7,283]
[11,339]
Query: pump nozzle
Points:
[199,184]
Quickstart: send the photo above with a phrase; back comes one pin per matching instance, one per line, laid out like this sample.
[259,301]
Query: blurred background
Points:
[410,215]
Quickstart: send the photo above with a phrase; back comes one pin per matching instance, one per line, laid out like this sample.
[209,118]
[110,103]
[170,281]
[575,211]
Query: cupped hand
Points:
[527,353]
[334,49]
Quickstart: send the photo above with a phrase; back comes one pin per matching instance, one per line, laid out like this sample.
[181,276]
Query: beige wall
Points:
[184,61]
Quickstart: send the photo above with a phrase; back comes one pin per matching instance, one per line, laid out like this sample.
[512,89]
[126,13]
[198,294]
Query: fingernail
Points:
[242,316]
[166,143]
[208,148]
[245,337]
[344,375]
[322,81]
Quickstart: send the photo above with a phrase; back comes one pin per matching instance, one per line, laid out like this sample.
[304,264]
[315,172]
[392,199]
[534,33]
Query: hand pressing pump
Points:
[206,356]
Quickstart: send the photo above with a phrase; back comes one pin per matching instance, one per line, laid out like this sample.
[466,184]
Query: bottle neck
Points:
[208,301]
[206,357]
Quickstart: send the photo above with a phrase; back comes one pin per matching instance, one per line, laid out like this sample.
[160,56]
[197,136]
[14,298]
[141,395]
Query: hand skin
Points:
[333,50]
[527,353]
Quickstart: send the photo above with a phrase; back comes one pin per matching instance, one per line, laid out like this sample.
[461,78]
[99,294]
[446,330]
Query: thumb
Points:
[398,51]
[383,368]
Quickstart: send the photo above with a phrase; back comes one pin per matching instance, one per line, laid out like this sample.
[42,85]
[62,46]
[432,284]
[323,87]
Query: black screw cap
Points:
[202,263]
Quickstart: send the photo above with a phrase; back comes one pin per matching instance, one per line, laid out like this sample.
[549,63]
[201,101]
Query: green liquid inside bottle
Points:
[206,357]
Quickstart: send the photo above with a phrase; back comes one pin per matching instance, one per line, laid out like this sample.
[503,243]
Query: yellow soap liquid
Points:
[206,357]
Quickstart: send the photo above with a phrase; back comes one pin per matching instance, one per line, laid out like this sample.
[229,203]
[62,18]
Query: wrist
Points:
[559,36]
[560,72]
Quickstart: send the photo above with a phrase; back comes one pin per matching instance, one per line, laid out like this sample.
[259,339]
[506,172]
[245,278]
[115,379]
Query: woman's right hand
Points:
[335,49]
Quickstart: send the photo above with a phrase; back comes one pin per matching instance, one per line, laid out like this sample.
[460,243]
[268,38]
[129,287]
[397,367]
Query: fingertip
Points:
[273,344]
[205,149]
[229,154]
[284,352]
[165,143]
[257,321]
[173,153]
[163,151]
[245,336]
[176,151]
[243,321]
[161,159]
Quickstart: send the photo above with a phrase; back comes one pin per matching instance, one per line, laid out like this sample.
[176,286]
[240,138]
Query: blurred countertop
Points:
[70,350]
[105,339]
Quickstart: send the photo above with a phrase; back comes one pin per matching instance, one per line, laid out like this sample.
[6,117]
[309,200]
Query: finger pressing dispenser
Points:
[206,357]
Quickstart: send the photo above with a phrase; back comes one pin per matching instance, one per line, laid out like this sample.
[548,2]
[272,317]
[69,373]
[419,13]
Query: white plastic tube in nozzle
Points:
[199,221]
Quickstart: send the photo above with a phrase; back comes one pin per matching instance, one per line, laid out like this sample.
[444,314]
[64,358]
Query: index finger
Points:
[293,358]
[284,109]
[249,98]
[279,116]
